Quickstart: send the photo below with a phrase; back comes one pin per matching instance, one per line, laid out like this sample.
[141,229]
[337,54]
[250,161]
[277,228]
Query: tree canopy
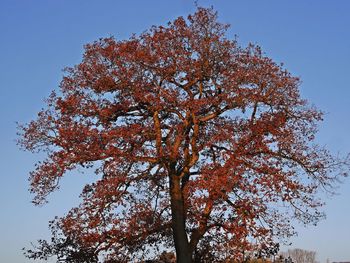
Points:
[202,147]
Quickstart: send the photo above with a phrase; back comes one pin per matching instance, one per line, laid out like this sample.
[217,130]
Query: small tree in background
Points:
[202,146]
[298,255]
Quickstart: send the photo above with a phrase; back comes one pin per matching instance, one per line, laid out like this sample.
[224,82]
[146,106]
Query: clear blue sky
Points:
[39,38]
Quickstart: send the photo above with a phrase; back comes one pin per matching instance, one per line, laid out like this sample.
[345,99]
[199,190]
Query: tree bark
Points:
[178,213]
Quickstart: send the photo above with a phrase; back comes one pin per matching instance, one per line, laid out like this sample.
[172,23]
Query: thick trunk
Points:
[178,213]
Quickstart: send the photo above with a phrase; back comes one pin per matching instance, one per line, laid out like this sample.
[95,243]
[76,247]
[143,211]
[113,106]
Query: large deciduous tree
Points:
[201,147]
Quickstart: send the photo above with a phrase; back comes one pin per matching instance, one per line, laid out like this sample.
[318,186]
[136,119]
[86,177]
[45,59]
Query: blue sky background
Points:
[39,38]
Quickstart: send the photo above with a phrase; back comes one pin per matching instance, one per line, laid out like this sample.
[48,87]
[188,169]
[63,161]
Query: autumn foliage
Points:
[202,147]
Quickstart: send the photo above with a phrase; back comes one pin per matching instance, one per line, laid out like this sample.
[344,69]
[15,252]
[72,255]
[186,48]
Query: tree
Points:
[200,145]
[298,255]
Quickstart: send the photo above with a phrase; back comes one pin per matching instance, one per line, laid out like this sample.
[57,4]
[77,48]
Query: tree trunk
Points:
[178,213]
